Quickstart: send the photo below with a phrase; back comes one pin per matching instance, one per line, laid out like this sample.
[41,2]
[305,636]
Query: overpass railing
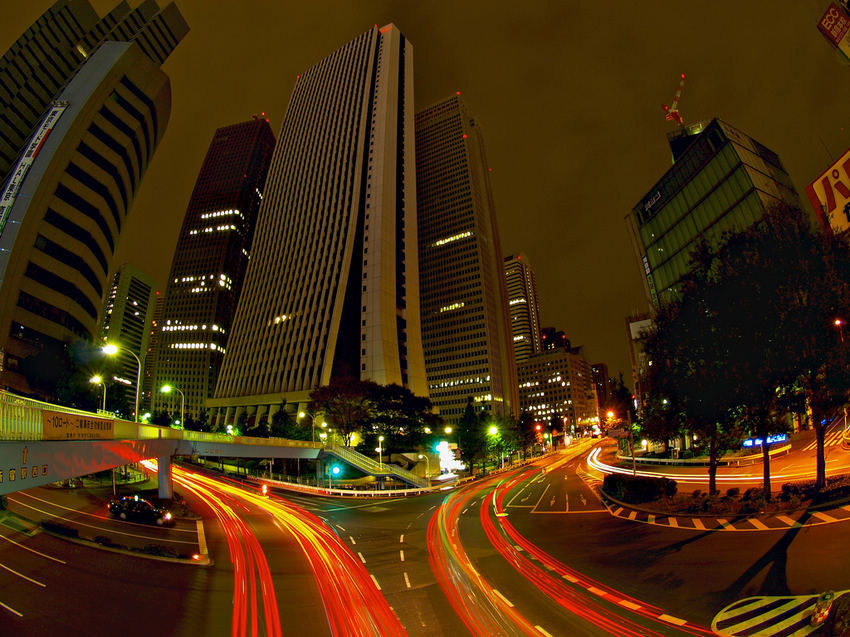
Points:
[20,417]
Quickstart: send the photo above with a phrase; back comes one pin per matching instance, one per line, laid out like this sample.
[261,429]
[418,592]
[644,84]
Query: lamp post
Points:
[427,465]
[334,472]
[98,380]
[380,451]
[110,350]
[323,436]
[840,325]
[167,389]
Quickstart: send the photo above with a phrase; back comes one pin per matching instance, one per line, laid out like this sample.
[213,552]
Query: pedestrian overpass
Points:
[42,443]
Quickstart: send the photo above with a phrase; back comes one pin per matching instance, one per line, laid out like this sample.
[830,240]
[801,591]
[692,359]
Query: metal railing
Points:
[367,465]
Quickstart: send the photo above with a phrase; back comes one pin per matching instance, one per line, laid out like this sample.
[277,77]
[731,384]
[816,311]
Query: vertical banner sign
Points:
[835,26]
[13,186]
[829,195]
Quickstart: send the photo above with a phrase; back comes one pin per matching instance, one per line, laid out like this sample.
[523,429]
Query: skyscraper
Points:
[465,328]
[63,208]
[721,180]
[523,305]
[209,263]
[42,61]
[332,287]
[127,314]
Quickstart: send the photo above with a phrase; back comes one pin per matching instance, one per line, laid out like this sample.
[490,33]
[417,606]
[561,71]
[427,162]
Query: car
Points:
[136,509]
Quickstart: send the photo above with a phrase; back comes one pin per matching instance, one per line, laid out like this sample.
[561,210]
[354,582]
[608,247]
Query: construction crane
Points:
[672,111]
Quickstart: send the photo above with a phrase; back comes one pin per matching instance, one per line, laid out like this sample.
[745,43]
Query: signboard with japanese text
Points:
[835,26]
[61,426]
[829,195]
[13,186]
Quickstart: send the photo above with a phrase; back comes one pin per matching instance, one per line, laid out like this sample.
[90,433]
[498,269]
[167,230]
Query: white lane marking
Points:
[339,527]
[378,586]
[401,539]
[542,631]
[360,555]
[464,511]
[26,548]
[352,539]
[110,530]
[503,598]
[570,578]
[541,496]
[401,553]
[73,510]
[202,538]
[596,591]
[11,610]
[406,580]
[22,576]
[673,620]
[628,604]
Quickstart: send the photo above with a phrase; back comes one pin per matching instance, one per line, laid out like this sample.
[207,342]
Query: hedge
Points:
[637,489]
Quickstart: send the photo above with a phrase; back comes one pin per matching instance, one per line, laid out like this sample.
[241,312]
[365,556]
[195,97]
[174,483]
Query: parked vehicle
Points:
[136,509]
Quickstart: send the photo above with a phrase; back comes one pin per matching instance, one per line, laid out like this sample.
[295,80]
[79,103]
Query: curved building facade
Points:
[62,221]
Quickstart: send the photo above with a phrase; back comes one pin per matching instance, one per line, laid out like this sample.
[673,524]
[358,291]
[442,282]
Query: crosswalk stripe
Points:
[823,516]
[758,524]
[673,522]
[632,515]
[618,510]
[767,617]
[787,520]
[651,519]
[724,524]
[698,524]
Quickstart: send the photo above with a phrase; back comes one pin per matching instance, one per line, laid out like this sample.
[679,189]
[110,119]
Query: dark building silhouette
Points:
[209,264]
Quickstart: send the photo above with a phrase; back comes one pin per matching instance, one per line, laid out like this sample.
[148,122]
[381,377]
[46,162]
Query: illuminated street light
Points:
[167,389]
[323,436]
[98,380]
[840,325]
[427,465]
[380,453]
[493,430]
[334,472]
[448,430]
[111,349]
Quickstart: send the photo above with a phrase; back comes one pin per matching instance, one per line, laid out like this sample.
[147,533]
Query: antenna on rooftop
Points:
[672,111]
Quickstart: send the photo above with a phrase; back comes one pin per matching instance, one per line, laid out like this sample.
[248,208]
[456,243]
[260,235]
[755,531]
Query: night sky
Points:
[568,94]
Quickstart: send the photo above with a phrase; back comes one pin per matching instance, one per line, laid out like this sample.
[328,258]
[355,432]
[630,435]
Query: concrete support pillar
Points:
[166,488]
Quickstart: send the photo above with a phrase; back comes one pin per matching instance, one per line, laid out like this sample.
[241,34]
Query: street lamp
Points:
[334,472]
[110,350]
[840,325]
[380,451]
[427,466]
[166,389]
[323,436]
[97,380]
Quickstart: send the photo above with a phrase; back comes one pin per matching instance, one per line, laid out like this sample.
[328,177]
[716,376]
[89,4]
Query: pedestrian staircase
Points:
[370,467]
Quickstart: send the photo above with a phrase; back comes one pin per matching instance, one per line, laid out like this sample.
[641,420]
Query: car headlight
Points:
[167,516]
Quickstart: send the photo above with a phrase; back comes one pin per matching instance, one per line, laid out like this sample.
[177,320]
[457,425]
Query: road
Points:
[528,551]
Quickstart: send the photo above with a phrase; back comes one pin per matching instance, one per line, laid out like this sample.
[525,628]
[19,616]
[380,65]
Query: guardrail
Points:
[704,462]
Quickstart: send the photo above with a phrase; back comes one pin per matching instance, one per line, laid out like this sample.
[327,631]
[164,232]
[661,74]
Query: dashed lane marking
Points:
[628,604]
[12,610]
[673,620]
[378,586]
[503,598]
[542,631]
[406,580]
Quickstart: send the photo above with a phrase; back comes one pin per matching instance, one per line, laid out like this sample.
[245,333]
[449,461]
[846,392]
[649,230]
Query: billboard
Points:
[835,26]
[829,195]
[62,426]
[10,192]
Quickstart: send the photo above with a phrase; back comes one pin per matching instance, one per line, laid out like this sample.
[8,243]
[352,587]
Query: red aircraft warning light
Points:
[672,111]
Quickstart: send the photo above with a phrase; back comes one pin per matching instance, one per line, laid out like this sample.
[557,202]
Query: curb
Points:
[204,560]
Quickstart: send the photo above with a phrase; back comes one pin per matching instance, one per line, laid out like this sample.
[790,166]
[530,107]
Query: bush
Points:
[106,541]
[158,549]
[4,502]
[838,622]
[59,528]
[734,492]
[634,490]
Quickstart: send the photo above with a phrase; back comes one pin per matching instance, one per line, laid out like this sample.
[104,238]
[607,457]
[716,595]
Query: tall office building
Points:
[556,386]
[42,61]
[721,180]
[209,264]
[602,383]
[465,328]
[127,314]
[523,305]
[149,361]
[73,182]
[332,289]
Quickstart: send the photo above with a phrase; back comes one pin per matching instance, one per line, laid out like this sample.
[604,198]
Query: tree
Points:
[471,436]
[398,415]
[526,433]
[345,403]
[162,418]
